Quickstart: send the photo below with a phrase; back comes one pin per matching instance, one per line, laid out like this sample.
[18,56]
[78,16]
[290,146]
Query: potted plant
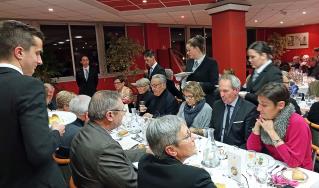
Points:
[48,69]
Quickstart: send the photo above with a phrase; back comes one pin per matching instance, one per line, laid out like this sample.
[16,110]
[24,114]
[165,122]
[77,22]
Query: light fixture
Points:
[78,37]
[144,1]
[67,40]
[281,22]
[304,12]
[255,21]
[61,42]
[50,9]
[183,17]
[180,34]
[55,44]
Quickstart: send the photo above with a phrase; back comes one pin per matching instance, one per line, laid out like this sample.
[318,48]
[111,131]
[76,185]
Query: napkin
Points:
[280,180]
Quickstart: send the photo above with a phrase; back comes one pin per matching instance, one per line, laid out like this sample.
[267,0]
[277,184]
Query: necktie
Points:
[255,76]
[226,122]
[195,65]
[86,74]
[151,70]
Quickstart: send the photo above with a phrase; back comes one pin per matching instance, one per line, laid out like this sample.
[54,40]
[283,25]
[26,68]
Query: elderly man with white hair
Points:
[79,106]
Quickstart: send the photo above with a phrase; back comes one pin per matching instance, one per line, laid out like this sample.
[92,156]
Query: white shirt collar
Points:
[233,104]
[87,68]
[154,65]
[200,60]
[11,66]
[261,68]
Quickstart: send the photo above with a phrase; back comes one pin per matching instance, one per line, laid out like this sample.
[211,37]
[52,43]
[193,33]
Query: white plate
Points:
[66,117]
[288,175]
[183,74]
[271,161]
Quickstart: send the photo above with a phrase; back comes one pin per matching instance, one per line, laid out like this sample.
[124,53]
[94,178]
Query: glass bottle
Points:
[210,152]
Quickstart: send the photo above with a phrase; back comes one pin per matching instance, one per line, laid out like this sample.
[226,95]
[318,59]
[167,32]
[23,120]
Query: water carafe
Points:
[210,152]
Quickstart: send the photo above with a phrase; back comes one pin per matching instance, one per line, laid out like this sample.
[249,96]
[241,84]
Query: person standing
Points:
[205,69]
[26,142]
[154,67]
[87,78]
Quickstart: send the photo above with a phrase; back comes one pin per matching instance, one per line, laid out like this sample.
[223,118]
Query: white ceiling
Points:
[268,13]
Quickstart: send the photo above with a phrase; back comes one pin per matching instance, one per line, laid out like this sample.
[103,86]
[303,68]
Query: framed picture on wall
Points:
[297,40]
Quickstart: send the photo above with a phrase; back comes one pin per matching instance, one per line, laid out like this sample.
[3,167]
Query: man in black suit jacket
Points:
[242,114]
[163,102]
[154,67]
[172,143]
[26,142]
[87,78]
[97,160]
[206,74]
[266,73]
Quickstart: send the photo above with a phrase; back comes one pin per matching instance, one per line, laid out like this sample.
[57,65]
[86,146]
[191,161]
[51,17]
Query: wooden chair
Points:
[315,139]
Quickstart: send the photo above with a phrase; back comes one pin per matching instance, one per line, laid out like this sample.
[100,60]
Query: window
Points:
[57,49]
[196,31]
[84,43]
[208,39]
[178,39]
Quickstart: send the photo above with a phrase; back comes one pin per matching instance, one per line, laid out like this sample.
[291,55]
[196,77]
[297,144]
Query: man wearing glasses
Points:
[163,102]
[97,160]
[172,143]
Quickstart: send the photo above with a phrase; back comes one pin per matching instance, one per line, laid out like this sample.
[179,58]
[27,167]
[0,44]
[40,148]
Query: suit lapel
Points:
[236,109]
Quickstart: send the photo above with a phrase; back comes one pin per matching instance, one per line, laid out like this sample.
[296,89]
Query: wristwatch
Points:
[275,142]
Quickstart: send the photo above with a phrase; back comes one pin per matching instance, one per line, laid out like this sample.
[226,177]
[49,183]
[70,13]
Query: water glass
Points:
[261,174]
[142,106]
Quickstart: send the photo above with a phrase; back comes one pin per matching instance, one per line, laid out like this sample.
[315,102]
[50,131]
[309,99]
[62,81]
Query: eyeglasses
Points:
[155,85]
[119,110]
[188,96]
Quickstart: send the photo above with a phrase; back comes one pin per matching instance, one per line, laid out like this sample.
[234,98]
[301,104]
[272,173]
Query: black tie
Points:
[227,122]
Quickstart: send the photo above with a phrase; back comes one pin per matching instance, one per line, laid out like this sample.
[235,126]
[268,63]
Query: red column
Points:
[151,36]
[229,37]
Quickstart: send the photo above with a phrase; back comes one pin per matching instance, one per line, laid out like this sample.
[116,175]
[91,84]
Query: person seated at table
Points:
[79,106]
[313,114]
[195,110]
[233,117]
[164,102]
[286,82]
[172,143]
[97,160]
[144,93]
[282,132]
[63,99]
[49,90]
[125,92]
[295,62]
[171,85]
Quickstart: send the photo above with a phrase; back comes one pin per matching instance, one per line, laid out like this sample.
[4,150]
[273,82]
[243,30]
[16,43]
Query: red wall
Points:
[164,38]
[263,34]
[136,33]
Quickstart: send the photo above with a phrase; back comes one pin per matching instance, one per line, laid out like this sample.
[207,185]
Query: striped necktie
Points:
[195,65]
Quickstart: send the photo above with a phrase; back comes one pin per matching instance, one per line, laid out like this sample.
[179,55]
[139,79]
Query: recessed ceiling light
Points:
[180,34]
[67,40]
[255,21]
[281,22]
[55,44]
[304,12]
[78,37]
[182,17]
[144,1]
[50,9]
[61,42]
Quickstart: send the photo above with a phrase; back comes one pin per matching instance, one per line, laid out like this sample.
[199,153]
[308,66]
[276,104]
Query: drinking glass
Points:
[142,106]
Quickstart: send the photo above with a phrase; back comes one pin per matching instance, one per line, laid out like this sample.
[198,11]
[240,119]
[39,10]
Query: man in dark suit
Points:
[97,160]
[233,117]
[154,67]
[172,143]
[87,78]
[26,142]
[206,73]
[163,102]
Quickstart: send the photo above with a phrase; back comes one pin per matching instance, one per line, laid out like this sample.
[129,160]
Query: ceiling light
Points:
[281,22]
[304,12]
[50,9]
[144,1]
[55,44]
[255,21]
[78,37]
[61,42]
[182,17]
[180,34]
[67,40]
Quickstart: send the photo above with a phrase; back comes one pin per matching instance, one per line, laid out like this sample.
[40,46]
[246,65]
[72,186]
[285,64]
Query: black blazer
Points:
[270,74]
[206,74]
[157,70]
[241,122]
[313,114]
[26,142]
[87,87]
[164,104]
[170,173]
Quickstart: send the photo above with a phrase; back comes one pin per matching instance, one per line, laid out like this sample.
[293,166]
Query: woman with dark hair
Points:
[205,69]
[125,92]
[265,71]
[195,110]
[279,130]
